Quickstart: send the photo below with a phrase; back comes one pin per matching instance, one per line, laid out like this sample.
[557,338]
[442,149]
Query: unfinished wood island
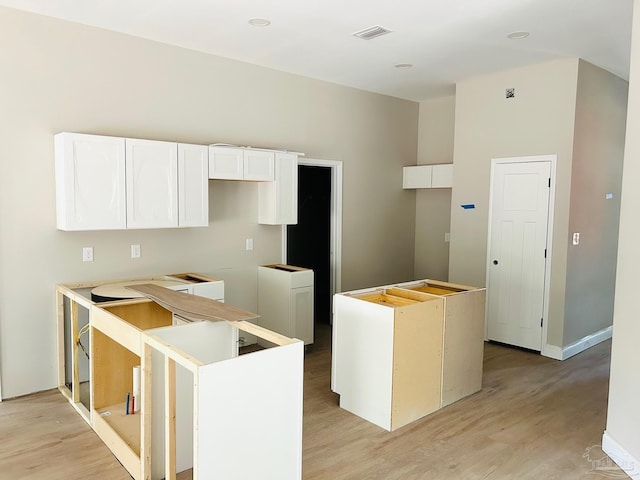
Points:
[400,352]
[197,410]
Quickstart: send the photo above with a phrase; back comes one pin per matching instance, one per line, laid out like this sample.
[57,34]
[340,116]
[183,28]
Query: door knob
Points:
[495,262]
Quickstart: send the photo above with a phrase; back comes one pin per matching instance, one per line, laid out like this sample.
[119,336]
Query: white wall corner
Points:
[620,456]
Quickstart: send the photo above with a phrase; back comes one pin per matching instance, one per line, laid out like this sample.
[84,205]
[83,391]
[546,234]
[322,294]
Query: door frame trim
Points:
[335,272]
[545,348]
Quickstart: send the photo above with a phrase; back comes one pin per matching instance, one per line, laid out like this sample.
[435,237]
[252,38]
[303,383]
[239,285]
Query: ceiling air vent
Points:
[371,32]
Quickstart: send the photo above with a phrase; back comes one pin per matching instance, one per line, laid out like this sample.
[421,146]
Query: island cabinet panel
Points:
[403,351]
[387,356]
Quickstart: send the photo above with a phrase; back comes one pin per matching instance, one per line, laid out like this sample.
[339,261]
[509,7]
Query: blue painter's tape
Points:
[468,206]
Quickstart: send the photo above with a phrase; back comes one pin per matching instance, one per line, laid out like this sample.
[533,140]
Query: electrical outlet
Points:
[248,244]
[447,237]
[135,251]
[87,254]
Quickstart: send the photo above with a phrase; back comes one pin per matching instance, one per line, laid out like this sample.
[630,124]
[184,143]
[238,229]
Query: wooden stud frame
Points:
[126,329]
[175,356]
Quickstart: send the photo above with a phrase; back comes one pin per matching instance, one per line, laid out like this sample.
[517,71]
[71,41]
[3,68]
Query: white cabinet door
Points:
[302,313]
[226,163]
[442,176]
[152,184]
[418,176]
[90,182]
[279,199]
[193,185]
[259,165]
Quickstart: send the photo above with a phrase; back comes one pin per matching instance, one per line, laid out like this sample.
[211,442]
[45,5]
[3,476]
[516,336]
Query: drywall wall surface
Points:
[623,416]
[60,76]
[537,120]
[433,206]
[596,174]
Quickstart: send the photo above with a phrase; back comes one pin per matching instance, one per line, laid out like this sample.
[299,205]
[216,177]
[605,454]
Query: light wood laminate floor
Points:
[535,418]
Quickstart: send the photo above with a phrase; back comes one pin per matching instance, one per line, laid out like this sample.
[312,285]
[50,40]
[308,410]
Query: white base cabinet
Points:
[285,300]
[402,351]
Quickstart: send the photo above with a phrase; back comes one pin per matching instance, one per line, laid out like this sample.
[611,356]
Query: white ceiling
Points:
[445,40]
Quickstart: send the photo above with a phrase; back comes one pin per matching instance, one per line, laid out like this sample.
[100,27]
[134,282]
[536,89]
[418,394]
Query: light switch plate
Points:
[87,254]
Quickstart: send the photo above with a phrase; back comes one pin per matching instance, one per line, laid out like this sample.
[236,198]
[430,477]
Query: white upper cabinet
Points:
[109,183]
[152,184]
[428,176]
[235,163]
[418,176]
[193,185]
[279,199]
[90,182]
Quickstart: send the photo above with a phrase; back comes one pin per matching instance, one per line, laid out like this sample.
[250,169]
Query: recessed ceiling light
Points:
[259,22]
[517,35]
[403,65]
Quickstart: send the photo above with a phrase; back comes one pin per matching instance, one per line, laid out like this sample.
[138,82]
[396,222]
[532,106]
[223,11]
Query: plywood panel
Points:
[463,345]
[417,361]
[112,366]
[142,314]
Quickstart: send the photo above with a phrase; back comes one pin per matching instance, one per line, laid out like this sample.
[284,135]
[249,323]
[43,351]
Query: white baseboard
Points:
[581,345]
[621,456]
[552,351]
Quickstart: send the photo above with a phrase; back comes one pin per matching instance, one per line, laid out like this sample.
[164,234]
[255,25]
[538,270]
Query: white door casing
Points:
[519,249]
[335,275]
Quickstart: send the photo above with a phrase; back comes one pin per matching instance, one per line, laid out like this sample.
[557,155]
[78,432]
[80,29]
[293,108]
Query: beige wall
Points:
[539,120]
[433,206]
[58,76]
[623,415]
[598,148]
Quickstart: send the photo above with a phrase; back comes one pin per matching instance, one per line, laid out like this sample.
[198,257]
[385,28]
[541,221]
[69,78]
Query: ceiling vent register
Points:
[372,32]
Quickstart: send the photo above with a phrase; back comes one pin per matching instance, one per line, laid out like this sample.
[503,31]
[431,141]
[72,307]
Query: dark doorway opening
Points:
[309,242]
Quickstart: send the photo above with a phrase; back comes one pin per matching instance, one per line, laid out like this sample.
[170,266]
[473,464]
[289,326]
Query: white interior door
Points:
[517,254]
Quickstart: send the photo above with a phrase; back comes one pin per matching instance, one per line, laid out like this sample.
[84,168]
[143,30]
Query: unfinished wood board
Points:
[127,426]
[123,452]
[192,306]
[384,299]
[463,345]
[268,442]
[417,362]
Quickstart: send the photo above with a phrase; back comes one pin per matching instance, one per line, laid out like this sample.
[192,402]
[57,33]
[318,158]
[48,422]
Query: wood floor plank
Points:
[534,419]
